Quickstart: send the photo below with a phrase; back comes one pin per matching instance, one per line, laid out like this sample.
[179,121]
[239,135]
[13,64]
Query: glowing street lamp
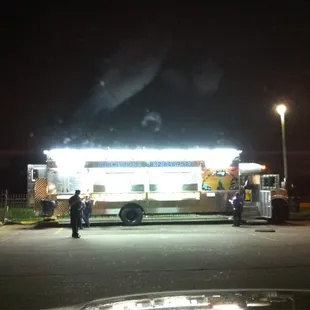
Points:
[281,109]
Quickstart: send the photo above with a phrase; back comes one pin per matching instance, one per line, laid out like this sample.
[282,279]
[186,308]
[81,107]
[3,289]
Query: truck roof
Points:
[143,154]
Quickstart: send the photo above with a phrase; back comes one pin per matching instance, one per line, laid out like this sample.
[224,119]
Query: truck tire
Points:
[280,211]
[131,215]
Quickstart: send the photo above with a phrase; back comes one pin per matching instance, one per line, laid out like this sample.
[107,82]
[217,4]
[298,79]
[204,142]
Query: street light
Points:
[281,109]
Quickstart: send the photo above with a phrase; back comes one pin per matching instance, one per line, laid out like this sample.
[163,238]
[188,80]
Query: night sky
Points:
[165,75]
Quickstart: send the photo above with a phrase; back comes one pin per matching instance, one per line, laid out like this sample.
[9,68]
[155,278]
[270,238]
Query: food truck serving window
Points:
[121,182]
[173,182]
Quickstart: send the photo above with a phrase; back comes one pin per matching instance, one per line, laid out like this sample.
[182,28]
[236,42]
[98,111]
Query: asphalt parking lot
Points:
[42,268]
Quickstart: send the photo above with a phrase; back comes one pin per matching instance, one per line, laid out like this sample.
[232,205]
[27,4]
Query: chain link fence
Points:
[14,207]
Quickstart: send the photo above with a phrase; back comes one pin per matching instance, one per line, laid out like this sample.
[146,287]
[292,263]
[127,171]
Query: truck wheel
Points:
[280,211]
[131,215]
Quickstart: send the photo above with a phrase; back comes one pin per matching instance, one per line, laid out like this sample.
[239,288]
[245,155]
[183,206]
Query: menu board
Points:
[55,182]
[64,184]
[76,181]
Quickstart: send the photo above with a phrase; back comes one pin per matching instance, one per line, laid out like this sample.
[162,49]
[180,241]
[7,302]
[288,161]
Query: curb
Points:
[300,219]
[20,223]
[47,223]
[33,222]
[28,222]
[256,222]
[54,222]
[150,223]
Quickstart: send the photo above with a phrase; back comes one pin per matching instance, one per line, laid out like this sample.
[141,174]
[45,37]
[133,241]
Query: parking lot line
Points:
[58,231]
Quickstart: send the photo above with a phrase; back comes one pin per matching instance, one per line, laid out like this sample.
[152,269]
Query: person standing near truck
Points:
[82,208]
[75,204]
[87,211]
[238,209]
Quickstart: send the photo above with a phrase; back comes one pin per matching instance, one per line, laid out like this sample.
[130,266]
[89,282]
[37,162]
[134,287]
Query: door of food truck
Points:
[251,187]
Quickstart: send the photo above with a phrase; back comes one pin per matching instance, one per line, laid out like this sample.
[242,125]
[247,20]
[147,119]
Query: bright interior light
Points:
[114,187]
[212,157]
[169,187]
[245,168]
[69,162]
[281,109]
[117,184]
[228,307]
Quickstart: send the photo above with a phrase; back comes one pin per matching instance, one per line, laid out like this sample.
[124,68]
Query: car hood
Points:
[203,299]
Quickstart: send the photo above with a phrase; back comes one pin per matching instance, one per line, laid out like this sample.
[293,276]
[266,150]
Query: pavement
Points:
[43,268]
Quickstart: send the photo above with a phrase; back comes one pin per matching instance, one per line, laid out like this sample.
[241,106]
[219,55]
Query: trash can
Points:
[47,207]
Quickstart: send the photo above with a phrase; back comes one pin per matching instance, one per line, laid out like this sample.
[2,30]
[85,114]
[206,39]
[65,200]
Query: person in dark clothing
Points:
[87,211]
[82,208]
[75,211]
[238,208]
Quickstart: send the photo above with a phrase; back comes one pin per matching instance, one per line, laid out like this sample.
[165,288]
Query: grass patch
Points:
[303,214]
[19,214]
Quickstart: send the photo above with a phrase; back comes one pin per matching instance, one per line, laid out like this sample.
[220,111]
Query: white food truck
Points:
[132,183]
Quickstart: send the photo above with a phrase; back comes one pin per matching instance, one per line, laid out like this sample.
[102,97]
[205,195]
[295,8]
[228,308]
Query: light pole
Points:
[281,109]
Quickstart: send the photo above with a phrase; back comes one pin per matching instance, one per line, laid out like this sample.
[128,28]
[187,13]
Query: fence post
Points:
[5,207]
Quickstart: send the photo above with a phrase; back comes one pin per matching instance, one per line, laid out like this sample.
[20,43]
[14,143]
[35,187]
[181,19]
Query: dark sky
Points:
[212,73]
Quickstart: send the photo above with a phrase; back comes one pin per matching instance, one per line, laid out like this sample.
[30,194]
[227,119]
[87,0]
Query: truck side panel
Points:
[158,190]
[206,202]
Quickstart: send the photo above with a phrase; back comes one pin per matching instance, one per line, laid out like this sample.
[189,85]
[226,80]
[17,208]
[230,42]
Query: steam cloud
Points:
[132,68]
